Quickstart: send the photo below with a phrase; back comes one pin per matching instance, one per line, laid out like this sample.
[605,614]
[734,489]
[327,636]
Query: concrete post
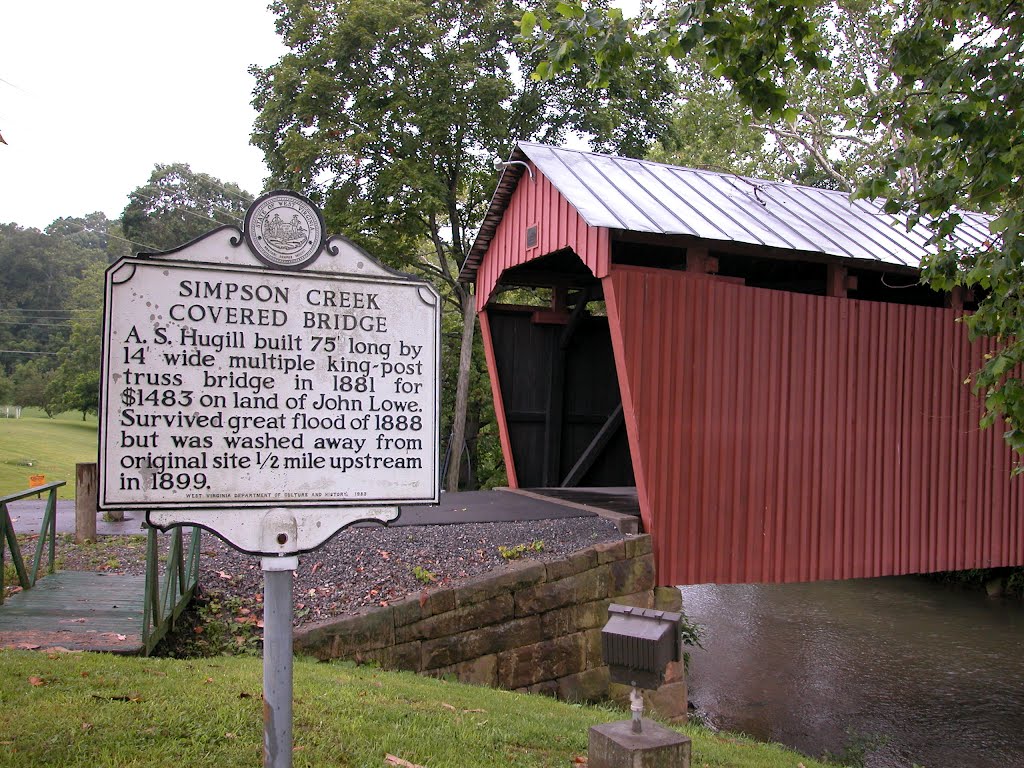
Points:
[616,745]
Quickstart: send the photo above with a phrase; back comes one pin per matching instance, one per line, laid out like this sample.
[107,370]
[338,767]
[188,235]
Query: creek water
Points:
[906,670]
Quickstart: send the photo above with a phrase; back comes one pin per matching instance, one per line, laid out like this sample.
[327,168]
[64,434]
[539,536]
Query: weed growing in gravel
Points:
[516,552]
[422,575]
[106,553]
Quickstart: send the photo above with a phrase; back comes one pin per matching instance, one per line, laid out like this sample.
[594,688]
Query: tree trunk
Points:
[461,389]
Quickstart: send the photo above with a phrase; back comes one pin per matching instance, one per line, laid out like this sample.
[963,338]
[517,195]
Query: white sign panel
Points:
[229,384]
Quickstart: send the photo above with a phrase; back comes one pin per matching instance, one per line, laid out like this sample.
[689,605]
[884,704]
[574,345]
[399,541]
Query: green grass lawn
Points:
[37,445]
[99,710]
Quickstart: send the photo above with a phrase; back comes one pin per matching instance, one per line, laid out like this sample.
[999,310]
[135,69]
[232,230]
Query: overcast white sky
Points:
[93,94]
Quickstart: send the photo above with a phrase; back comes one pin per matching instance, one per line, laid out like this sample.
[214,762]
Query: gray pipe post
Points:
[277,660]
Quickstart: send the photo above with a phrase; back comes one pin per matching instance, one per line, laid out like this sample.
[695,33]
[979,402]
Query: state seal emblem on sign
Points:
[284,229]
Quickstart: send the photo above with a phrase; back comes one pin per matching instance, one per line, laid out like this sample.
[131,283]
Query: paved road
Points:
[27,516]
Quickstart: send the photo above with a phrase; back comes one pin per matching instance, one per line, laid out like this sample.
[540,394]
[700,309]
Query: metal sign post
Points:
[273,386]
[277,660]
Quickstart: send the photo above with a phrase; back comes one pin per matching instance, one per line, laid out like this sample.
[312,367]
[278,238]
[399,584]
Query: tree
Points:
[389,114]
[6,389]
[942,115]
[960,97]
[94,231]
[709,131]
[30,382]
[178,205]
[75,385]
[39,272]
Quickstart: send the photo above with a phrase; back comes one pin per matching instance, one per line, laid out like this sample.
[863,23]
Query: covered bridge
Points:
[756,358]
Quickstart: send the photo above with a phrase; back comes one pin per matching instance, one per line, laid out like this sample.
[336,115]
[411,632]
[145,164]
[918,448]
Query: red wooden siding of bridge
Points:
[559,226]
[782,437]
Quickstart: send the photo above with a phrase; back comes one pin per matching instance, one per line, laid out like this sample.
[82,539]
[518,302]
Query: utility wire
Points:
[68,236]
[64,324]
[23,352]
[130,242]
[245,198]
[191,212]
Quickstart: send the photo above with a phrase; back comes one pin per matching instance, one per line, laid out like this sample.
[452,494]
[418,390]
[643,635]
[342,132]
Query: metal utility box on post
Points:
[638,644]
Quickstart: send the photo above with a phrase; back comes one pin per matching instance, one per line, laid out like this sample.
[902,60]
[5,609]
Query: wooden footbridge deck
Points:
[78,611]
[88,611]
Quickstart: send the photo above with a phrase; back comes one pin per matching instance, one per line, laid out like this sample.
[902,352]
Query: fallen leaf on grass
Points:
[580,760]
[36,681]
[134,699]
[207,681]
[392,760]
[86,726]
[453,709]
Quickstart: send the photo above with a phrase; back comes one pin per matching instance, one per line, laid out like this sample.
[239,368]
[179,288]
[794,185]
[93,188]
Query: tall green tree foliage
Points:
[93,231]
[75,385]
[709,131]
[6,388]
[30,382]
[939,118]
[960,99]
[39,272]
[390,112]
[178,205]
[817,136]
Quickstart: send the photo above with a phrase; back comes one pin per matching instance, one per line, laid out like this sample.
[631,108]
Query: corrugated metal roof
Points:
[642,196]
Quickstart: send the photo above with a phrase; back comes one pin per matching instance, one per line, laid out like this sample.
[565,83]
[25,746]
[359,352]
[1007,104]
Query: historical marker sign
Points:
[243,376]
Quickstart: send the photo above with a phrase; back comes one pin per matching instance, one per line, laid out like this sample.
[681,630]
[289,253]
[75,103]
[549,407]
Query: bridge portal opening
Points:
[555,366]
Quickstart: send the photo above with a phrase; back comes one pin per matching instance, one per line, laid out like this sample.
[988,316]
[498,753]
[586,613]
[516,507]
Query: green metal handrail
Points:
[165,599]
[47,535]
